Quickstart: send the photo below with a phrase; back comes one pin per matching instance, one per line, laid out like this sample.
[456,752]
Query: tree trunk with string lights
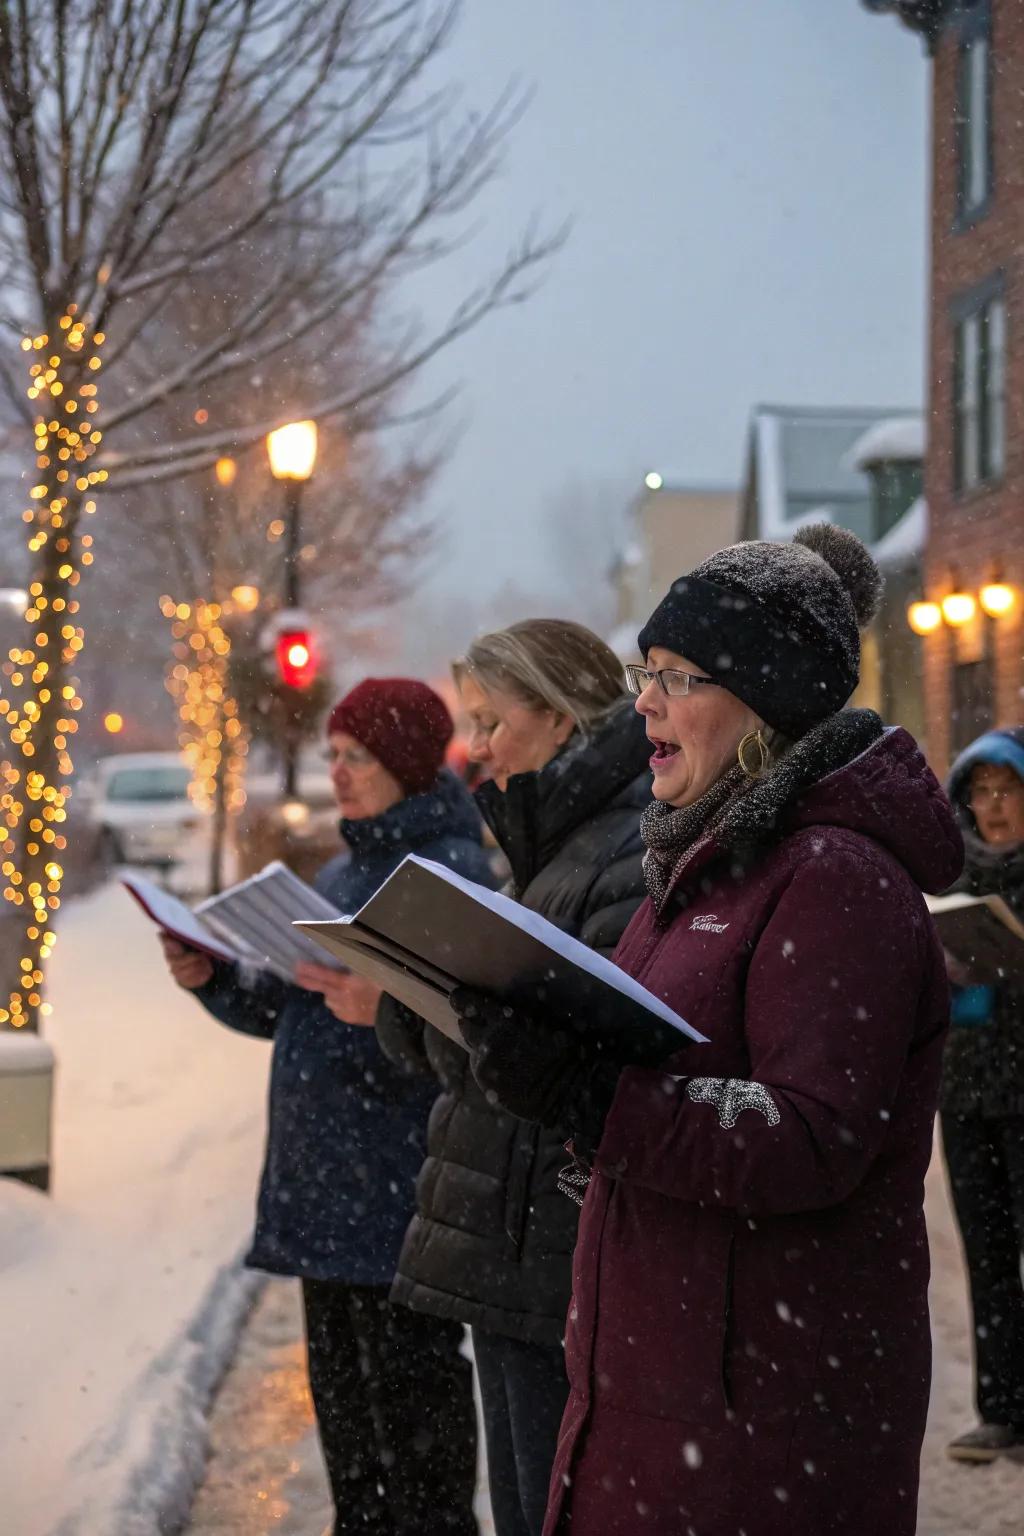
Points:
[39,710]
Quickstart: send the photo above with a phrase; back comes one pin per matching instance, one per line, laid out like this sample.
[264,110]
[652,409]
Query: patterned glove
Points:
[558,1077]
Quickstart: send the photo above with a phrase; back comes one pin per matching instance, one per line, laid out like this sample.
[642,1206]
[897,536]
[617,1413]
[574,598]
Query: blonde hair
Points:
[548,664]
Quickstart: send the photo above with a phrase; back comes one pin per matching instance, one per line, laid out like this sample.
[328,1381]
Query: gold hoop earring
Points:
[764,758]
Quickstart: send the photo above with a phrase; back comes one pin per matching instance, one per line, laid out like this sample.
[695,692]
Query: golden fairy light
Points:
[38,695]
[210,731]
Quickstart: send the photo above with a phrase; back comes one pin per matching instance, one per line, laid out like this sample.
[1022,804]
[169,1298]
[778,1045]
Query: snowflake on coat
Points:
[731,1096]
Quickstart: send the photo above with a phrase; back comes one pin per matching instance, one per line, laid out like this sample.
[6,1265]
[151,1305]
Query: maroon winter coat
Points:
[748,1343]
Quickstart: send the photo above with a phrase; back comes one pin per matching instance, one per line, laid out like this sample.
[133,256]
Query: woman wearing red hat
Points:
[347,1134]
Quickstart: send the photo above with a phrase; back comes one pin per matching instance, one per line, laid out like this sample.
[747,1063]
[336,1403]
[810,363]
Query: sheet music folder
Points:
[428,930]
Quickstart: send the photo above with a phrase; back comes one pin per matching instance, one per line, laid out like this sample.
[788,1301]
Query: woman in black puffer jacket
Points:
[492,1240]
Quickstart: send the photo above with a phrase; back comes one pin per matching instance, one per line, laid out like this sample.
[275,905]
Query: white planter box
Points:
[26,1097]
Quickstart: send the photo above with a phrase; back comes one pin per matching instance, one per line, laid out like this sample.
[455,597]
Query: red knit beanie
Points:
[405,724]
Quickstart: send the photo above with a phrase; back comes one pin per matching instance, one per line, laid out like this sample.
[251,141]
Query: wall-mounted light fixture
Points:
[997,598]
[959,608]
[924,618]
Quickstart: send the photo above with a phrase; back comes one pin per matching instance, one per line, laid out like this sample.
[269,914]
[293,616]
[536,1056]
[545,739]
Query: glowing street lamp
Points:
[113,723]
[292,450]
[225,471]
[292,454]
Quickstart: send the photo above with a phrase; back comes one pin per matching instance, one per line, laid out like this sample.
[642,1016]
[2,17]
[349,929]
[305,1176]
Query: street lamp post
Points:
[292,453]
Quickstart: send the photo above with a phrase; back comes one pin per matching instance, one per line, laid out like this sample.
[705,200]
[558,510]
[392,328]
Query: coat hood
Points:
[1004,748]
[851,772]
[989,869]
[535,814]
[445,810]
[889,793]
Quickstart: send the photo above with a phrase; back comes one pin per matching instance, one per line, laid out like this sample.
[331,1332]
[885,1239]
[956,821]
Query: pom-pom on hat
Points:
[777,624]
[405,724]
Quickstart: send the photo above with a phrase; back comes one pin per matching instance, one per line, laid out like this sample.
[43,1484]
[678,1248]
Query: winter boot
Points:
[985,1443]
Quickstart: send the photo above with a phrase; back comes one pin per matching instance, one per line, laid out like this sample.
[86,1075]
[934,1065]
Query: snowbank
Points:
[120,1294]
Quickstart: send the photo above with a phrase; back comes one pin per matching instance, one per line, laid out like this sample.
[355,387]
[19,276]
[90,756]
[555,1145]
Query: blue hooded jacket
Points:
[346,1127]
[984,1068]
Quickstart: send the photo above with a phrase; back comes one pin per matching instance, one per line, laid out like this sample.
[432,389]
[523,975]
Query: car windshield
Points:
[170,783]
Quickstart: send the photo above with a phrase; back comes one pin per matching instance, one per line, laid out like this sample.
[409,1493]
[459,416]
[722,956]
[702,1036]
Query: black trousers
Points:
[985,1159]
[394,1406]
[523,1389]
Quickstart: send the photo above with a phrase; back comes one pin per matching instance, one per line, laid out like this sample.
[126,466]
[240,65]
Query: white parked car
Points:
[139,808]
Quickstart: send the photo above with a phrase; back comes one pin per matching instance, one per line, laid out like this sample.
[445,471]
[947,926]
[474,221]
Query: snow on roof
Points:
[906,539]
[897,439]
[800,457]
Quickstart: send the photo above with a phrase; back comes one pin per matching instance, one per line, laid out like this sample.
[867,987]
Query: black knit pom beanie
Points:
[777,624]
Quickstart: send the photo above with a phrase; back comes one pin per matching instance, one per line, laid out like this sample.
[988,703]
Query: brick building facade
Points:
[974,473]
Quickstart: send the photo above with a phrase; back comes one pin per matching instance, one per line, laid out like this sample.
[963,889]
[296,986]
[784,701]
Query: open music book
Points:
[983,933]
[428,930]
[252,923]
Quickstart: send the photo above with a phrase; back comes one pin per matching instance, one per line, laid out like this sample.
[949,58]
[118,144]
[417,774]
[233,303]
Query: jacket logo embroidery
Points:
[731,1096]
[708,924]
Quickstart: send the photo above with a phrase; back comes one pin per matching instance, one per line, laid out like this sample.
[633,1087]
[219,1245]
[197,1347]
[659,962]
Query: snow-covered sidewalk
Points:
[120,1298]
[266,1473]
[956,1499]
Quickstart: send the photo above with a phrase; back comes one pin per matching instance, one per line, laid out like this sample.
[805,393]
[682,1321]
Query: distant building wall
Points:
[978,532]
[680,528]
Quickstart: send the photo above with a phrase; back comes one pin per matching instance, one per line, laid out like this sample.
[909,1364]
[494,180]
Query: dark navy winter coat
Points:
[347,1128]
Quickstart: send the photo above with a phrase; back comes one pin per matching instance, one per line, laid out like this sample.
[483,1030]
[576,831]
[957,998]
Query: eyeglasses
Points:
[992,794]
[669,679]
[352,757]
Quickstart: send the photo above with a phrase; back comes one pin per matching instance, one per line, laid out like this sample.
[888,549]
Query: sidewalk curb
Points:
[161,1435]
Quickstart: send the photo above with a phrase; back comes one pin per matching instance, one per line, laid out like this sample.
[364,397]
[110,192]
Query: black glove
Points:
[552,1074]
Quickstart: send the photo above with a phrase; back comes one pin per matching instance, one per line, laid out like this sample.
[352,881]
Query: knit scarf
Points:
[741,813]
[998,870]
[671,833]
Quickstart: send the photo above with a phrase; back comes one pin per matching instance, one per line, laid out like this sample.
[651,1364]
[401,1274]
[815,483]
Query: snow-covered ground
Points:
[266,1474]
[957,1499]
[119,1296]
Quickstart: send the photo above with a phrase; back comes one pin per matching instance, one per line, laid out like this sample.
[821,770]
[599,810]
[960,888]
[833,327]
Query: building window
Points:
[980,390]
[973,701]
[896,483]
[974,113]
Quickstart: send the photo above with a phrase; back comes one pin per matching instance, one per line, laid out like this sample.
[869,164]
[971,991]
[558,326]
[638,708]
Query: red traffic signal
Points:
[296,658]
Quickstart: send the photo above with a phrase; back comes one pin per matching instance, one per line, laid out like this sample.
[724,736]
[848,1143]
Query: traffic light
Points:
[296,658]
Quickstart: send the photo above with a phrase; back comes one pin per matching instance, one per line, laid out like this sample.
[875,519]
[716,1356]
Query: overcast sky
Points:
[747,181]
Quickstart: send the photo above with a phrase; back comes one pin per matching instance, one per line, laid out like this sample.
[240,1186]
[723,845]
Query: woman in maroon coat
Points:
[748,1342]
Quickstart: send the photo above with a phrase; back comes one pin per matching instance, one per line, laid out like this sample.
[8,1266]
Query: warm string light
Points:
[37,709]
[210,732]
